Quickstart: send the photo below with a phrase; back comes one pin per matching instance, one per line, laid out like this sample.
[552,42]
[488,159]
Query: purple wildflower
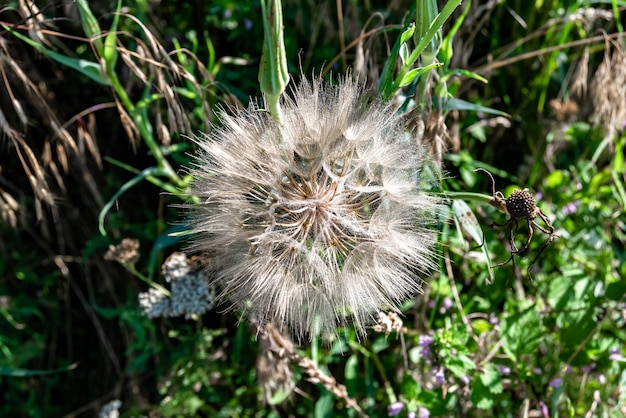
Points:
[614,354]
[555,383]
[394,409]
[439,375]
[424,342]
[570,208]
[504,370]
[424,413]
[589,367]
[447,304]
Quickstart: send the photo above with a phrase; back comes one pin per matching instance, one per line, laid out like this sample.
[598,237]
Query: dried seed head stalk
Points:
[282,348]
[323,215]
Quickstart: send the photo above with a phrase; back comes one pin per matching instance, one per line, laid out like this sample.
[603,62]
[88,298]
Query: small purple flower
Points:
[424,342]
[447,304]
[538,196]
[394,409]
[493,319]
[411,414]
[544,409]
[227,14]
[537,371]
[588,368]
[571,207]
[614,354]
[424,413]
[555,383]
[504,370]
[247,23]
[439,375]
[465,380]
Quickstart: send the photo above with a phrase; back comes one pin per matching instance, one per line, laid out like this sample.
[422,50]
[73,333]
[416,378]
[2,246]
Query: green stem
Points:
[431,33]
[131,268]
[477,197]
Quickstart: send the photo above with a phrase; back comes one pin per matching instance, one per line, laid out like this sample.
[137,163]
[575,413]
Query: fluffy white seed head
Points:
[323,216]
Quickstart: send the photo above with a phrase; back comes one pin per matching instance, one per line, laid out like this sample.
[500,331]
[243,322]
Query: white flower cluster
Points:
[192,294]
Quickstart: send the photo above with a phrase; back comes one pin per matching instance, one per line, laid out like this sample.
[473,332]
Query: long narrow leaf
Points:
[89,68]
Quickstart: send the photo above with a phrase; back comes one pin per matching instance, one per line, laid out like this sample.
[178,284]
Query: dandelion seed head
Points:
[322,216]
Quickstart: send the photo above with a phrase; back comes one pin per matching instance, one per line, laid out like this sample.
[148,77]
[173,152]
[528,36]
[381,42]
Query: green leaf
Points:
[446,51]
[408,32]
[91,27]
[465,220]
[414,73]
[459,72]
[521,332]
[616,291]
[459,365]
[480,395]
[459,104]
[273,72]
[410,387]
[88,68]
[109,52]
[27,373]
[352,373]
[169,238]
[144,174]
[324,405]
[404,53]
[492,380]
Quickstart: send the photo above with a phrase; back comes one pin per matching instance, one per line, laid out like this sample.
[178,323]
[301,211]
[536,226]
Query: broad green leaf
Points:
[521,332]
[492,380]
[410,387]
[324,405]
[459,365]
[480,396]
[616,291]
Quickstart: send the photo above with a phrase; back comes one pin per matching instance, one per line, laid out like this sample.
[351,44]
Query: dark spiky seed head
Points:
[521,204]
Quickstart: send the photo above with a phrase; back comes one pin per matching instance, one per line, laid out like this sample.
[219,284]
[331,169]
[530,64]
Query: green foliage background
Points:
[72,337]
